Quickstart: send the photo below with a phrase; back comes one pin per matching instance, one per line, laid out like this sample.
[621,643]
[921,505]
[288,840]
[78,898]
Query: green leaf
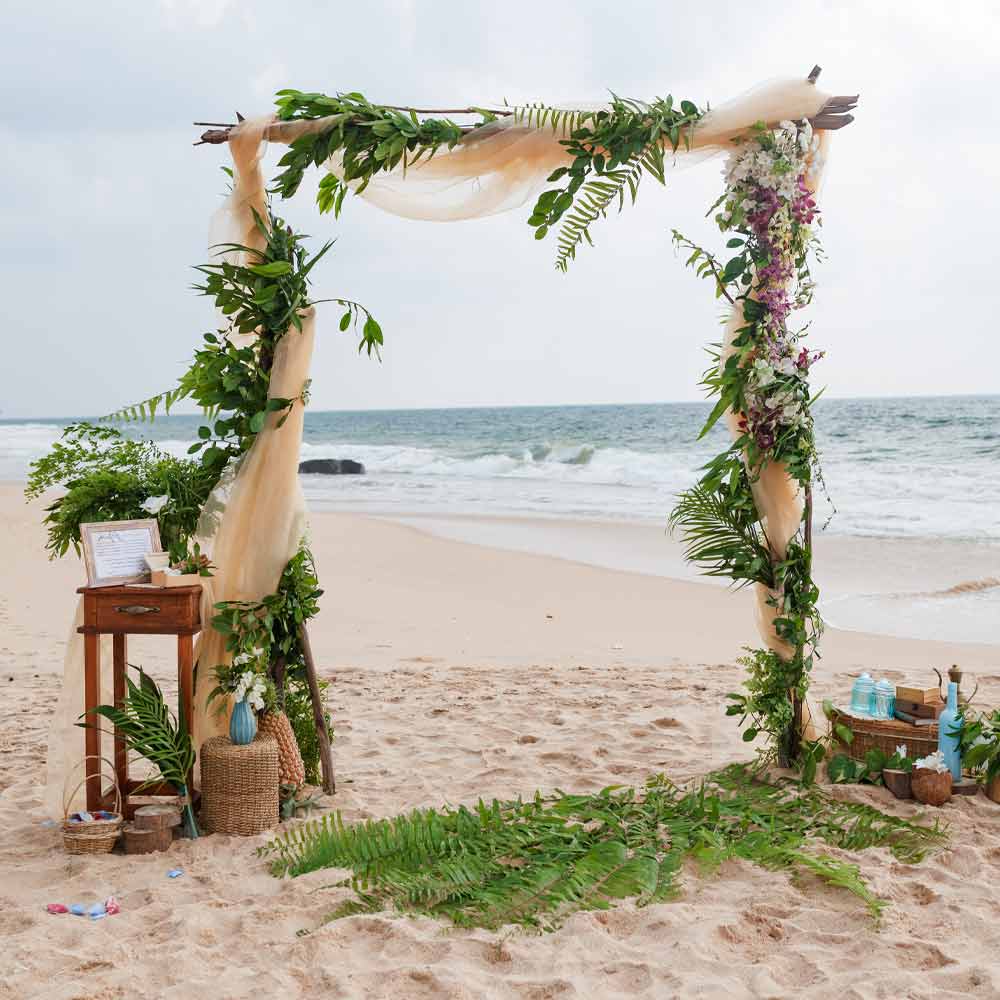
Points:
[275,269]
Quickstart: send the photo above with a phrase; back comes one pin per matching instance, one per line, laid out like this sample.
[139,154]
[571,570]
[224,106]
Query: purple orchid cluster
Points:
[769,196]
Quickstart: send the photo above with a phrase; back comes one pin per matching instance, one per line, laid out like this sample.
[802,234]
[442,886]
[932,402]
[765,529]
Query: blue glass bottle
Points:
[948,744]
[242,724]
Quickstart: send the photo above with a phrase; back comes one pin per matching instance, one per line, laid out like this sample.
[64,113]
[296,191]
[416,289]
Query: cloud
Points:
[108,203]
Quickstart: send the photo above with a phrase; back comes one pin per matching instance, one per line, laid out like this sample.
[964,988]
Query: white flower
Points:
[763,372]
[901,750]
[154,505]
[932,762]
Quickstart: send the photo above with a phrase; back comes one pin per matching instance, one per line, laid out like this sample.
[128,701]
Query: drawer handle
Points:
[136,609]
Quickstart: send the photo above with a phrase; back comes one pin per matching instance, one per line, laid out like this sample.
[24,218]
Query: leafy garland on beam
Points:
[609,150]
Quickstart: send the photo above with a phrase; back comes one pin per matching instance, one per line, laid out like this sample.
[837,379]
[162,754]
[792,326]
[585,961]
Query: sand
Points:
[457,671]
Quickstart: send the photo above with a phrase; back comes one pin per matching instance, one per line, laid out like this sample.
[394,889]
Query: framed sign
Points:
[114,551]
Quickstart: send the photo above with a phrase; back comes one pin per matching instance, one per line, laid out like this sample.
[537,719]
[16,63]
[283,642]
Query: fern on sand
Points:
[535,862]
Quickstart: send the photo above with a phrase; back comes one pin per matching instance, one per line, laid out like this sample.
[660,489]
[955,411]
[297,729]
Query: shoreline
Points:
[899,587]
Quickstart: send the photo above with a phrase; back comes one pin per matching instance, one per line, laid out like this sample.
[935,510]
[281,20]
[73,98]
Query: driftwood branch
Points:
[833,115]
[325,754]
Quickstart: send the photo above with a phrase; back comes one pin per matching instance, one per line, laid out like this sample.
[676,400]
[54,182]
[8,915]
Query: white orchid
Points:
[153,505]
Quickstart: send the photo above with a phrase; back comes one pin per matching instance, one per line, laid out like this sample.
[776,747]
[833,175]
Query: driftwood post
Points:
[325,753]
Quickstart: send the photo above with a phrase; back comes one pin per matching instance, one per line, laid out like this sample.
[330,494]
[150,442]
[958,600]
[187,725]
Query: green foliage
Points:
[535,862]
[979,742]
[108,477]
[298,708]
[842,769]
[273,624]
[230,379]
[369,138]
[721,531]
[610,151]
[765,704]
[150,729]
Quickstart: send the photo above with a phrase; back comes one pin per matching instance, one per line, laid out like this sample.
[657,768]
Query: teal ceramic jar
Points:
[242,724]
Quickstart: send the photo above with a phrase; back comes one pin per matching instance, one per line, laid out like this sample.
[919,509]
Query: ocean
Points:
[918,469]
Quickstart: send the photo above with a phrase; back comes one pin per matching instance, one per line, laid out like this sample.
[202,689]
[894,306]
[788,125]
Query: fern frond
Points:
[534,863]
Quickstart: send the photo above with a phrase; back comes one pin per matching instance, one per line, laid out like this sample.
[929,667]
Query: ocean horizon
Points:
[919,466]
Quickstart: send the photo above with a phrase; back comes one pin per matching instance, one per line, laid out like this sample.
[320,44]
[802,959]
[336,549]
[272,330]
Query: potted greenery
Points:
[187,567]
[897,772]
[980,744]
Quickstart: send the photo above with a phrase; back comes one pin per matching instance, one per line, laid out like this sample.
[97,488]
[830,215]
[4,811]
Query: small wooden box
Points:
[161,579]
[132,610]
[923,696]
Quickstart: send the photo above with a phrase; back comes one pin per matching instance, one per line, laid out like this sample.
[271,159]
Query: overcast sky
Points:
[107,202]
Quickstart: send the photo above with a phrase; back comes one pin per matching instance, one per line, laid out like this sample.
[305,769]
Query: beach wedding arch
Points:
[237,497]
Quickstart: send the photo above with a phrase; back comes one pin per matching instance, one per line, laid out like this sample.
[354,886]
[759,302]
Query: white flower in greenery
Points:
[901,750]
[763,372]
[153,505]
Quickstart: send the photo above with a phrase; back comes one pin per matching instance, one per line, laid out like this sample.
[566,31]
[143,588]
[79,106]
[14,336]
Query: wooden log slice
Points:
[146,841]
[157,817]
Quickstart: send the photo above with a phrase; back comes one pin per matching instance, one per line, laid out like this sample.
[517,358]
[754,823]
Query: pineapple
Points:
[290,767]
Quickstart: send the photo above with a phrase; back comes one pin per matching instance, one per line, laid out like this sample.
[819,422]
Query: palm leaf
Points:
[721,538]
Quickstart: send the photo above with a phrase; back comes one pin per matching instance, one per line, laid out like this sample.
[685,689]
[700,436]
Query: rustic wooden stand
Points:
[119,612]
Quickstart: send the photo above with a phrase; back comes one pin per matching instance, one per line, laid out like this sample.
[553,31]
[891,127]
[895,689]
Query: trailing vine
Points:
[761,375]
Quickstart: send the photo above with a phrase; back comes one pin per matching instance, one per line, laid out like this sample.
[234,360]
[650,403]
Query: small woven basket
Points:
[96,836]
[885,735]
[239,785]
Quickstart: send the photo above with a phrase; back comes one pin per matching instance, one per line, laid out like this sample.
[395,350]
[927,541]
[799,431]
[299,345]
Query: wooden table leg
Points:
[185,686]
[120,661]
[92,734]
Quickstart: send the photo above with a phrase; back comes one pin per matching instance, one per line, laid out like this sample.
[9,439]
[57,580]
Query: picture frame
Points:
[114,551]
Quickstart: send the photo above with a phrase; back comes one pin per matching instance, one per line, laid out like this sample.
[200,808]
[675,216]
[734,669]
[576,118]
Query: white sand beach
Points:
[459,671]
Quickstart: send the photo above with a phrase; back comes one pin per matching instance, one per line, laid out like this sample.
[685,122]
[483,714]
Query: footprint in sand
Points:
[527,739]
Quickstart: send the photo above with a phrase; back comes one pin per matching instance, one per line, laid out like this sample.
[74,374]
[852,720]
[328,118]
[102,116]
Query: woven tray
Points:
[239,785]
[885,735]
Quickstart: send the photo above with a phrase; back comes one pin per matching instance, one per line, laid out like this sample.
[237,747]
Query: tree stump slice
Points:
[139,840]
[157,817]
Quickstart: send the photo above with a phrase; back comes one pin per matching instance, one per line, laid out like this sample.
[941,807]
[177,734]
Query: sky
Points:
[108,202]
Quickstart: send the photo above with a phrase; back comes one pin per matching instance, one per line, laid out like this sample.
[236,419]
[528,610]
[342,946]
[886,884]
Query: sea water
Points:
[925,470]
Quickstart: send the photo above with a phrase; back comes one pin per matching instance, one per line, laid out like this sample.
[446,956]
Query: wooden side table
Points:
[119,612]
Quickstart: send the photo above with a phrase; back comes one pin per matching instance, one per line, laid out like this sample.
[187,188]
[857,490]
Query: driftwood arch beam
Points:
[835,114]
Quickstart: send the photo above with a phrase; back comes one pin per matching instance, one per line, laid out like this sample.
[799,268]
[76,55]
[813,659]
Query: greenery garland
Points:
[762,375]
[609,149]
[536,862]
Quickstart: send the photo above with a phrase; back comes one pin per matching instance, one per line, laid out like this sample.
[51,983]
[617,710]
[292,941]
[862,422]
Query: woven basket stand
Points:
[239,786]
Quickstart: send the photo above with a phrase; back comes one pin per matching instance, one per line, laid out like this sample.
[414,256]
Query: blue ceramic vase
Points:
[242,724]
[947,744]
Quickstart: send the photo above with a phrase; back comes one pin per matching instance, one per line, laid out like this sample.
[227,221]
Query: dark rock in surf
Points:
[332,467]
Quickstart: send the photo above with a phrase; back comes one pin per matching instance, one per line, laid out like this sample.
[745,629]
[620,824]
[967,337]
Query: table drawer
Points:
[144,609]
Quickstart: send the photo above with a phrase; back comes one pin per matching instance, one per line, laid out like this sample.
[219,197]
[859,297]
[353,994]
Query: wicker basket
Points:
[239,785]
[96,836]
[885,735]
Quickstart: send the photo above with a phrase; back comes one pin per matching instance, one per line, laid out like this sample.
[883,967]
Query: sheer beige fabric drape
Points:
[253,522]
[502,165]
